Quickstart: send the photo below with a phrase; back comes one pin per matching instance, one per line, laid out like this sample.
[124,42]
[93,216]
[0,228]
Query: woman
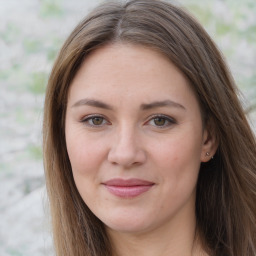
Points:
[147,150]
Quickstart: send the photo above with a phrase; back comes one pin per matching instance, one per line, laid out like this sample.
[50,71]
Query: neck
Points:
[139,246]
[178,238]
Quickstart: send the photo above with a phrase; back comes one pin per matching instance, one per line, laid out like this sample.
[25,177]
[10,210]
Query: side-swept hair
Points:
[226,189]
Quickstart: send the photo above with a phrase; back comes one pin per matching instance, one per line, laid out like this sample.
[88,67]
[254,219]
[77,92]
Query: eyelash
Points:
[170,121]
[89,118]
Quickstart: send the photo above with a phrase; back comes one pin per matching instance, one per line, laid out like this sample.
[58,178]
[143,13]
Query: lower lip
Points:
[128,192]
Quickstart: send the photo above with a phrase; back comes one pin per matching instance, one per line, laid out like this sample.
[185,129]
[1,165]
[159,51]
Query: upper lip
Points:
[128,182]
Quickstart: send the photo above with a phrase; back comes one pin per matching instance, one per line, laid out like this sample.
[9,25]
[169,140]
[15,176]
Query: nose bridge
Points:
[126,137]
[125,149]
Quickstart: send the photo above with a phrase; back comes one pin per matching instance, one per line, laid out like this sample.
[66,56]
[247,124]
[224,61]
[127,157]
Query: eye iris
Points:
[159,121]
[97,120]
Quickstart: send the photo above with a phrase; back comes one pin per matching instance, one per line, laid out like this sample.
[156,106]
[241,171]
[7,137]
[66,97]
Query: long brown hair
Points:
[226,190]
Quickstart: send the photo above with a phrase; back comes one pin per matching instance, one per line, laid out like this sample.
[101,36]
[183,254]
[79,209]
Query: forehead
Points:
[119,71]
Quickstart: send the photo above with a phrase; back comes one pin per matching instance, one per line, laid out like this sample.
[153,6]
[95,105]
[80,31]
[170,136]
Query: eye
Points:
[94,121]
[161,121]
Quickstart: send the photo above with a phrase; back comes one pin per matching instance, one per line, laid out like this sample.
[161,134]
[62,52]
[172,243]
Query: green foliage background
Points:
[232,24]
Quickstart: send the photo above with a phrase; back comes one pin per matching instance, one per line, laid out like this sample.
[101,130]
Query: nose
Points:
[126,149]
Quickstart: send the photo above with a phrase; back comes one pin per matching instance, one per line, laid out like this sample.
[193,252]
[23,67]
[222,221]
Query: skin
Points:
[127,140]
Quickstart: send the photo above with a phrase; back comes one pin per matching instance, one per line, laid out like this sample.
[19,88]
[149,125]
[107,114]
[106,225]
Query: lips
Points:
[128,188]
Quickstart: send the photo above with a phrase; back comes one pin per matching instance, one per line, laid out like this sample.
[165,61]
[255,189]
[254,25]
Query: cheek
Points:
[178,159]
[178,150]
[86,158]
[84,154]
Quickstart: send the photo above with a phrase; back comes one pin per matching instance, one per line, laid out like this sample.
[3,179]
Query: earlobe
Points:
[209,145]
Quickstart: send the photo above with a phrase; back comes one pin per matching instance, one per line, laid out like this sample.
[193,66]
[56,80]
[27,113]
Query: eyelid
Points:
[85,120]
[170,120]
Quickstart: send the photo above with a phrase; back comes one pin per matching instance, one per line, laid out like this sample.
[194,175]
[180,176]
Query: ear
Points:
[209,144]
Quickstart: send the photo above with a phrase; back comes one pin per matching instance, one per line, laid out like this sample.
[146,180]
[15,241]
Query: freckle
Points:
[162,207]
[106,199]
[175,158]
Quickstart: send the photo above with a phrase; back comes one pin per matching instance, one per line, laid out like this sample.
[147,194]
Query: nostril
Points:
[126,157]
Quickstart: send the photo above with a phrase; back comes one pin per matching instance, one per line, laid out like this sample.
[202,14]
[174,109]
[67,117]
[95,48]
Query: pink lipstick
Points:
[128,188]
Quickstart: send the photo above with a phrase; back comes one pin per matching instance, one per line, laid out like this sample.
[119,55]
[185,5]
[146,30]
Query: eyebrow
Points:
[165,103]
[92,103]
[152,105]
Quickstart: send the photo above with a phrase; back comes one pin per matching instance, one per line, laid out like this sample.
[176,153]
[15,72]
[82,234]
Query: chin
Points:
[134,229]
[129,224]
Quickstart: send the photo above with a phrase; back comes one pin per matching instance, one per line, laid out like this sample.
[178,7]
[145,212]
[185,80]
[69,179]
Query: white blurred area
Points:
[31,32]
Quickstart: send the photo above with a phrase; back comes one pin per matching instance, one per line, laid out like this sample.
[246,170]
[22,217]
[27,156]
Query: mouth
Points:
[128,188]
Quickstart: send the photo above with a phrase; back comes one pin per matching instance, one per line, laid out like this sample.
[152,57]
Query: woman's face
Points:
[135,139]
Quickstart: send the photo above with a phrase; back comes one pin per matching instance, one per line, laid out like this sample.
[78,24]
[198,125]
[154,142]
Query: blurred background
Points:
[31,34]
